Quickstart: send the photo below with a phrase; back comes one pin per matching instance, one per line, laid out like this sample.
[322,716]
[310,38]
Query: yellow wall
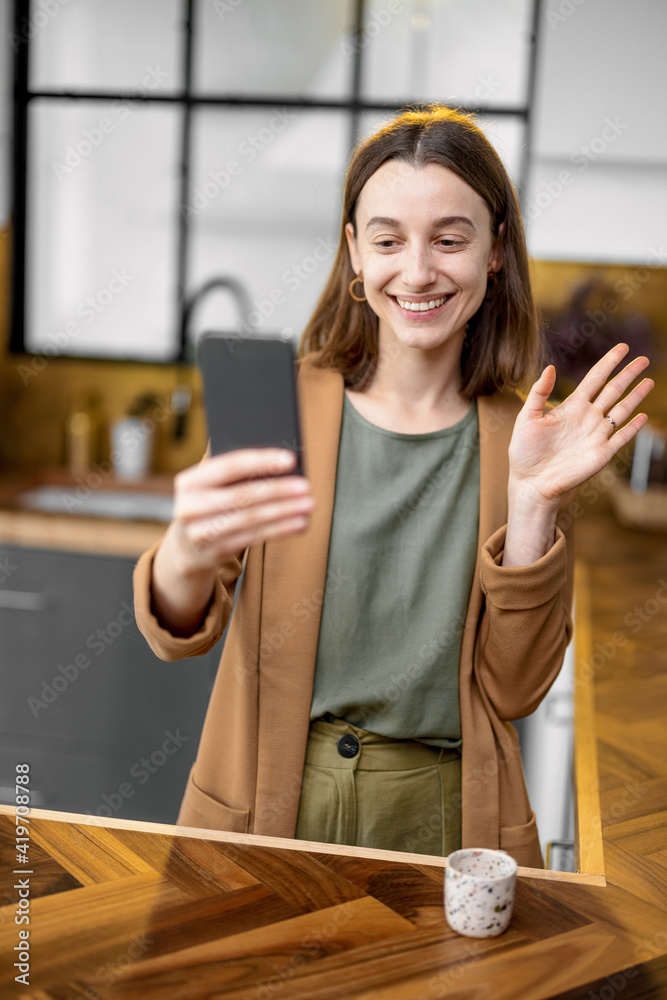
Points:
[33,409]
[638,290]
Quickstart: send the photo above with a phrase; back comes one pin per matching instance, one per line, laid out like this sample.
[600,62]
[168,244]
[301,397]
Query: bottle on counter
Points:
[79,440]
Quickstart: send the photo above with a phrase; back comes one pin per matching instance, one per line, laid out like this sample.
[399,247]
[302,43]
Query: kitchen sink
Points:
[122,503]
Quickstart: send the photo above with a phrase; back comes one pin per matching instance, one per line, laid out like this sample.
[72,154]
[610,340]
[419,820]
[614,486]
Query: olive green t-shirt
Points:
[402,555]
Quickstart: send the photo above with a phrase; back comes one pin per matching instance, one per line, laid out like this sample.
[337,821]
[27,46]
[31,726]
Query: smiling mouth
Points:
[423,306]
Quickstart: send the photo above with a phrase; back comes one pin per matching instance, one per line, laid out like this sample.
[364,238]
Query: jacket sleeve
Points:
[526,623]
[162,642]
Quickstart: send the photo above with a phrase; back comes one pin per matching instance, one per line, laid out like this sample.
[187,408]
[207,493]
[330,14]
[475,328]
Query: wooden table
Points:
[132,910]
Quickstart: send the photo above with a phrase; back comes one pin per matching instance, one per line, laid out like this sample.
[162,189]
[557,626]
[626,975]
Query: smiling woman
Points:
[382,716]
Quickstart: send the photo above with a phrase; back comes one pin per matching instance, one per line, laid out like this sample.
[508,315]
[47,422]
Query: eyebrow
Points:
[446,220]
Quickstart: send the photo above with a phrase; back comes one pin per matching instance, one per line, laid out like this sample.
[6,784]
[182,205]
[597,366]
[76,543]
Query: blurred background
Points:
[172,166]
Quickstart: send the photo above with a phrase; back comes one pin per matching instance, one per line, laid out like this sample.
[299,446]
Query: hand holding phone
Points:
[236,499]
[221,506]
[243,494]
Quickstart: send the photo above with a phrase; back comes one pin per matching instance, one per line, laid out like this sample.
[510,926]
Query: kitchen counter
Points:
[137,910]
[75,532]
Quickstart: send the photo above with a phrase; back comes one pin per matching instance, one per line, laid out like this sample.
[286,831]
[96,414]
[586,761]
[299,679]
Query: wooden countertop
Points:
[74,532]
[133,910]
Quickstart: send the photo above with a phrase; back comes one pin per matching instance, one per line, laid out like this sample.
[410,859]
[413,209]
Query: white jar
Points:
[132,440]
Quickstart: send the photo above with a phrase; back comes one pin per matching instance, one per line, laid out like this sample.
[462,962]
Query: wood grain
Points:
[139,910]
[588,824]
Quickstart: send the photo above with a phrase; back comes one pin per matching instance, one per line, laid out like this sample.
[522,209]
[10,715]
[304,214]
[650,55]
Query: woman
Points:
[411,597]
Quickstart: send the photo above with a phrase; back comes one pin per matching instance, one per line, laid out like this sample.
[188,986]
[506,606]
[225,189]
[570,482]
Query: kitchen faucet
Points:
[181,396]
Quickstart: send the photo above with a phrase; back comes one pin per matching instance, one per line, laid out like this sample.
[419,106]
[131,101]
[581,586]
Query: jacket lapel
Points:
[480,802]
[292,594]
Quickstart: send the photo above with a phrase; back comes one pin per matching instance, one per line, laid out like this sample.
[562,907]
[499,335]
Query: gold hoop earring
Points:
[491,286]
[358,277]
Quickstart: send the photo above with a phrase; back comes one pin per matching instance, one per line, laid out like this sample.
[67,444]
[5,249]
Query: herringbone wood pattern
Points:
[125,912]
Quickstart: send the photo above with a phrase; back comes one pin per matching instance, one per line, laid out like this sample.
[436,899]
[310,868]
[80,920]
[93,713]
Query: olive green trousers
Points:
[397,795]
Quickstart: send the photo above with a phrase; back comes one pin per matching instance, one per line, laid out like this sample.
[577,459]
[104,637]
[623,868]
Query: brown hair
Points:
[503,346]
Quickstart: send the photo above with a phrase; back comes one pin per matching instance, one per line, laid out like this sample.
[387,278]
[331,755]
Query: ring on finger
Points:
[611,421]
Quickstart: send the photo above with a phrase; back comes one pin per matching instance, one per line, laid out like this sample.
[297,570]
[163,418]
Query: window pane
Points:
[265,209]
[102,197]
[469,52]
[290,47]
[508,137]
[120,45]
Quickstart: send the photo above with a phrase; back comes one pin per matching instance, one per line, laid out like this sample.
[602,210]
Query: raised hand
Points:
[554,451]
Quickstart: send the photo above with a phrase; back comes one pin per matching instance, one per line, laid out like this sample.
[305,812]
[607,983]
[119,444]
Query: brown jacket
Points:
[247,776]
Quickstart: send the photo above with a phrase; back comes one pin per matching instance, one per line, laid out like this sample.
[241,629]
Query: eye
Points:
[447,242]
[385,244]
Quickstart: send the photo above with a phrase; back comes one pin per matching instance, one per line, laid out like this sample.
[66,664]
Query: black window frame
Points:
[354,105]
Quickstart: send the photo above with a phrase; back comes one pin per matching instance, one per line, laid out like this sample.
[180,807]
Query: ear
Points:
[496,253]
[355,259]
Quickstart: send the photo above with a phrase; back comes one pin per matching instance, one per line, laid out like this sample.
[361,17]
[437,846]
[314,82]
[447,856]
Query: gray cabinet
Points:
[106,726]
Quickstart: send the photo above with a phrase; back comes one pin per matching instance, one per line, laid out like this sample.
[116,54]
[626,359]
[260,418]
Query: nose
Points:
[418,266]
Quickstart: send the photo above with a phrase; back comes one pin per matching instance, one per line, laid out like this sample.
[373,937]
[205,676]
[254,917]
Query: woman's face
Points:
[425,247]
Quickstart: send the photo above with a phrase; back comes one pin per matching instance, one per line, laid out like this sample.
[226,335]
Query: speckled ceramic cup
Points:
[479,891]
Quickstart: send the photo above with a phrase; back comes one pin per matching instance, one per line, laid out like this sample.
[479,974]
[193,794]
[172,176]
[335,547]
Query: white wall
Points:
[5,107]
[597,186]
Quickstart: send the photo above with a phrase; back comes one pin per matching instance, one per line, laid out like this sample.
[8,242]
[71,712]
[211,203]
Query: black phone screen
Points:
[250,393]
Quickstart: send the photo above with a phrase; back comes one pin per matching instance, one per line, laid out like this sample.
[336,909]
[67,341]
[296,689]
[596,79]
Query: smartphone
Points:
[250,394]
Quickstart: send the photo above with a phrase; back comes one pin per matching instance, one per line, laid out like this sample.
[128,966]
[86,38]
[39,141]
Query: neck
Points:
[415,378]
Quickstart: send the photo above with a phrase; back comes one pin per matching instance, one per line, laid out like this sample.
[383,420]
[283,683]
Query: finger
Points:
[615,388]
[539,393]
[626,433]
[221,547]
[217,550]
[593,381]
[228,522]
[624,408]
[232,466]
[193,503]
[285,526]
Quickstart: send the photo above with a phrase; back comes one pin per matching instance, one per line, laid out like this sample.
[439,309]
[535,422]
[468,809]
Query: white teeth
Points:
[421,306]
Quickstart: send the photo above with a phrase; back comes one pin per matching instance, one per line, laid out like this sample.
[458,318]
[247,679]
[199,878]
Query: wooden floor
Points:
[125,911]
